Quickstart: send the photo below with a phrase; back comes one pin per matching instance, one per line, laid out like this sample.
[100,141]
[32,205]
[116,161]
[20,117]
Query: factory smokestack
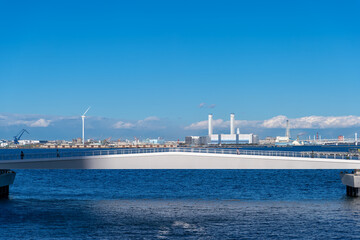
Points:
[232,127]
[288,129]
[210,124]
[356,139]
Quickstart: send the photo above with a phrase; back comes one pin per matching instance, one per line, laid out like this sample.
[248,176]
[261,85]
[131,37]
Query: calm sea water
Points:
[173,204]
[177,204]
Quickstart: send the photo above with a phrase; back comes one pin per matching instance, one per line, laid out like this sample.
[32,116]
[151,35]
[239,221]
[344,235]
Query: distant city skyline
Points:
[159,68]
[46,127]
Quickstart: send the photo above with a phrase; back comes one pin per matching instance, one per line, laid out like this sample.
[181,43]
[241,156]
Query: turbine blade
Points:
[86,111]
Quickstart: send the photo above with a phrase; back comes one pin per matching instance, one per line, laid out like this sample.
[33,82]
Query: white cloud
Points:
[275,122]
[197,125]
[314,122]
[31,123]
[149,122]
[327,122]
[29,120]
[40,123]
[204,124]
[123,125]
[309,122]
[151,118]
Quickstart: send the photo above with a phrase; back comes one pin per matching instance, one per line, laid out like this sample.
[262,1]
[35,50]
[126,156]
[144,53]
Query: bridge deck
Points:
[180,158]
[71,154]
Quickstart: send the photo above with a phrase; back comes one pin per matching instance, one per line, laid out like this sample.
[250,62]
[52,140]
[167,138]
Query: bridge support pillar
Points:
[7,178]
[352,183]
[4,192]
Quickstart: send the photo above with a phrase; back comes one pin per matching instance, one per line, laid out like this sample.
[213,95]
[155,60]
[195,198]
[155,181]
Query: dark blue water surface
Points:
[177,204]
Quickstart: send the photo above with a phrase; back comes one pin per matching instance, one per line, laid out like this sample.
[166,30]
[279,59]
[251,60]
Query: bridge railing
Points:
[332,155]
[68,154]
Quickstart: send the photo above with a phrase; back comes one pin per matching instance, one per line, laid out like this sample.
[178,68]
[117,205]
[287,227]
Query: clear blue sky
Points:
[135,59]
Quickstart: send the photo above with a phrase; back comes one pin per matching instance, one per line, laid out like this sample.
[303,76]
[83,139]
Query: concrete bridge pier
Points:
[7,178]
[352,183]
[4,192]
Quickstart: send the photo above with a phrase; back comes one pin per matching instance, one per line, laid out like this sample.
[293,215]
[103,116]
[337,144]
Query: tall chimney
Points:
[356,139]
[287,129]
[232,127]
[210,125]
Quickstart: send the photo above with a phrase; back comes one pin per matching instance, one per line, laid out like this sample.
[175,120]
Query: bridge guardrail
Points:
[67,154]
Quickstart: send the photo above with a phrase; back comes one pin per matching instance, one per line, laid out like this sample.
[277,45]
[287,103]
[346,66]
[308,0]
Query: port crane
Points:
[107,140]
[17,137]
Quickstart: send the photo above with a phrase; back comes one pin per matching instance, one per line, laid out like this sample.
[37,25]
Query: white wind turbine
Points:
[83,125]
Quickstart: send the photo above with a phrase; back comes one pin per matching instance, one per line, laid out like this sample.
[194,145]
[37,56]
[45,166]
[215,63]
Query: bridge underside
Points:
[180,160]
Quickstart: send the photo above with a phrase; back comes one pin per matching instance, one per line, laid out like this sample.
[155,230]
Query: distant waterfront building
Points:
[77,141]
[196,140]
[28,142]
[282,140]
[268,141]
[218,139]
[3,143]
[233,138]
[155,141]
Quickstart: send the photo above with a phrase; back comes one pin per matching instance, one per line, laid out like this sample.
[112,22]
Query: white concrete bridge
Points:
[180,158]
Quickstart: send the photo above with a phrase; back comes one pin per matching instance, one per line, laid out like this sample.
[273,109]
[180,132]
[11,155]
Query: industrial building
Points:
[219,139]
[232,138]
[196,140]
[155,141]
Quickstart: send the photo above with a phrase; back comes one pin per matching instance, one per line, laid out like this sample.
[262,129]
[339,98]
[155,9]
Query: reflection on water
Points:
[197,204]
